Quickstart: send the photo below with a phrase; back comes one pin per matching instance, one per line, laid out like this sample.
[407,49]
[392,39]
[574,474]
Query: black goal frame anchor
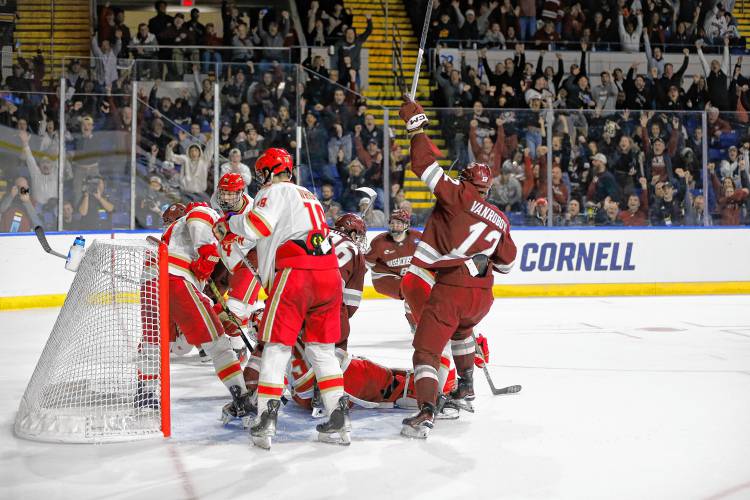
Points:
[511,389]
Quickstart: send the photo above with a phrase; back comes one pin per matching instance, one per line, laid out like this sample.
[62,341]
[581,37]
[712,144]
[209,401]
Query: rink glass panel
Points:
[98,377]
[98,150]
[37,113]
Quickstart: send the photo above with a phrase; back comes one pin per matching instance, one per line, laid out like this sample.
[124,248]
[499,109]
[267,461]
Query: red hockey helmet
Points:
[194,204]
[353,226]
[478,174]
[229,192]
[272,162]
[172,213]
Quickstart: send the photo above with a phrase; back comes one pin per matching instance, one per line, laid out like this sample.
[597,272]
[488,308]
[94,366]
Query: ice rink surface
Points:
[633,398]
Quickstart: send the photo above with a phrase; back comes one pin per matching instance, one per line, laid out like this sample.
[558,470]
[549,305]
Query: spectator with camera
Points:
[151,205]
[17,211]
[95,208]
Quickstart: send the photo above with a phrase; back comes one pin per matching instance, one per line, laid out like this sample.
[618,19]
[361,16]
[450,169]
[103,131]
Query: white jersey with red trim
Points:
[227,251]
[185,236]
[286,221]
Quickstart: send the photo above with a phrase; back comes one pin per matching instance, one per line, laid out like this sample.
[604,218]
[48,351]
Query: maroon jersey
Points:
[461,225]
[389,259]
[352,267]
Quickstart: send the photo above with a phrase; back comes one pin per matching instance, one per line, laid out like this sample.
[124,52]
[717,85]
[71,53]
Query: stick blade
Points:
[511,389]
[39,231]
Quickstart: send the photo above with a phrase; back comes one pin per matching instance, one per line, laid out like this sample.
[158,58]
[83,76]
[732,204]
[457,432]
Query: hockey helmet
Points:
[229,192]
[272,162]
[172,213]
[398,222]
[195,204]
[479,175]
[353,226]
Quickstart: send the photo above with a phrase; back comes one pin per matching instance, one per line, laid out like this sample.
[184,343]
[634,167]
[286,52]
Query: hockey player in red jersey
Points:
[193,254]
[465,238]
[389,257]
[349,236]
[298,267]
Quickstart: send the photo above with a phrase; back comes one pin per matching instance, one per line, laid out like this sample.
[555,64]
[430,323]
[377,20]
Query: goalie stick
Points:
[511,389]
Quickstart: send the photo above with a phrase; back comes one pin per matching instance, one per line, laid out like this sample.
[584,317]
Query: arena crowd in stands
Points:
[615,161]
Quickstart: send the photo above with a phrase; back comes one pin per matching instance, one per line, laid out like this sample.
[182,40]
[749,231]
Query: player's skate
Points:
[204,357]
[462,396]
[445,411]
[338,429]
[420,425]
[242,407]
[262,432]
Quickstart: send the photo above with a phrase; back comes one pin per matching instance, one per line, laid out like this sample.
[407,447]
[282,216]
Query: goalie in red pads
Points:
[465,238]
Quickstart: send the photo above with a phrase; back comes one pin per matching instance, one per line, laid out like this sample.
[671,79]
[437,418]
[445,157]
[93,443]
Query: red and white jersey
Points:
[227,250]
[185,236]
[352,267]
[289,226]
[462,225]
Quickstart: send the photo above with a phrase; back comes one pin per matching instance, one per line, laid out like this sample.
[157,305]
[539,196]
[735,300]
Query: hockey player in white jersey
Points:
[298,266]
[243,287]
[193,254]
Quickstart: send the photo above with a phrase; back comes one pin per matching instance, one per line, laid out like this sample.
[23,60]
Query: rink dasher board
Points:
[550,262]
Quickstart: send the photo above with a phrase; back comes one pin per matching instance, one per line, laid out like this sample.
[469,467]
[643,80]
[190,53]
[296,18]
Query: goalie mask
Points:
[172,213]
[353,226]
[398,223]
[229,193]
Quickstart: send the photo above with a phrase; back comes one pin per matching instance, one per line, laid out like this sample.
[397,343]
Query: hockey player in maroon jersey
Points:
[389,258]
[349,237]
[465,239]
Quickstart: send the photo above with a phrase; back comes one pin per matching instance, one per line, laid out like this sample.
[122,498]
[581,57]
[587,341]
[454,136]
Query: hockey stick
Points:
[511,389]
[422,42]
[39,230]
[371,195]
[230,314]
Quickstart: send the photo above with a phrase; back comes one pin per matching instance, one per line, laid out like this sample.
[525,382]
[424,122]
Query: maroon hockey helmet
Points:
[478,174]
[172,213]
[400,215]
[353,226]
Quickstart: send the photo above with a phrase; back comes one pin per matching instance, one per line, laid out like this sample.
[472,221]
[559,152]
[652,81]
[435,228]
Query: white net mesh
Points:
[98,378]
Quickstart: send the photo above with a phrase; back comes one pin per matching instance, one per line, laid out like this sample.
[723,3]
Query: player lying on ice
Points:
[464,240]
[299,269]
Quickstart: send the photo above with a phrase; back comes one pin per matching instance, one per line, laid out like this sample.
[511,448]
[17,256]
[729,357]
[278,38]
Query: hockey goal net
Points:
[104,373]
